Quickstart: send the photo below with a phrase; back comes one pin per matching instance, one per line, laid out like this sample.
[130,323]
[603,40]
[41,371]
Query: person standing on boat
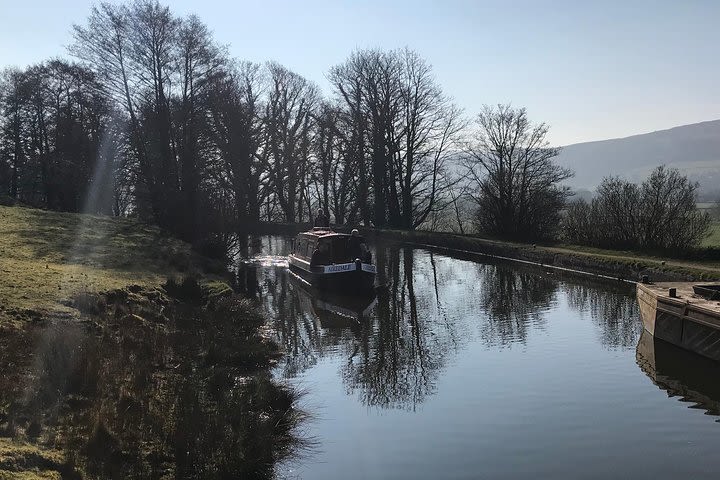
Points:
[321,220]
[356,246]
[321,255]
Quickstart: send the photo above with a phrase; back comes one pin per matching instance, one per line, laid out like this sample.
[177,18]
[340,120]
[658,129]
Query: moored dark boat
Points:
[333,261]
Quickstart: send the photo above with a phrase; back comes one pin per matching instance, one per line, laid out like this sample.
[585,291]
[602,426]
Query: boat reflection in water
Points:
[680,373]
[332,310]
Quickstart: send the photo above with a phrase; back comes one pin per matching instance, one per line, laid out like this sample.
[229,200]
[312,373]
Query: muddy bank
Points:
[166,382]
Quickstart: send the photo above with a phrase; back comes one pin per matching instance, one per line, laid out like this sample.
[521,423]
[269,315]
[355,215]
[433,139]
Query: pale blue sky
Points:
[592,70]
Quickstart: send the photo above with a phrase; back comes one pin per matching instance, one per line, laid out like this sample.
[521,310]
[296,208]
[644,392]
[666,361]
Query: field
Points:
[714,239]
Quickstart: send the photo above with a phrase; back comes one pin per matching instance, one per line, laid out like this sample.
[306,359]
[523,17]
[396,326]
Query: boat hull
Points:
[351,277]
[683,321]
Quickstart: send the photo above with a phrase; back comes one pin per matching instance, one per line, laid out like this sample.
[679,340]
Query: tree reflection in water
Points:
[188,397]
[298,324]
[427,309]
[398,361]
[612,307]
[513,301]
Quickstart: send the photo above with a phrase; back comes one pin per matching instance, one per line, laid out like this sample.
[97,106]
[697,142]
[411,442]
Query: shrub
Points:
[187,290]
[213,246]
[659,214]
[91,303]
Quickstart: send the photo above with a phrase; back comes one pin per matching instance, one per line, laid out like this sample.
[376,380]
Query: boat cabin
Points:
[333,261]
[321,246]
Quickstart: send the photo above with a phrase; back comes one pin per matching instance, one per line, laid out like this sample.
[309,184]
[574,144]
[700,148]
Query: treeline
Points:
[153,118]
[158,121]
[56,125]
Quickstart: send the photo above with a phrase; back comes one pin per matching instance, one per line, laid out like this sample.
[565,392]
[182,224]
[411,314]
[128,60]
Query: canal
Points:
[474,368]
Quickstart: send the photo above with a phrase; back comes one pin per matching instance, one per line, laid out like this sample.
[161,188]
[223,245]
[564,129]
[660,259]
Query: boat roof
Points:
[323,232]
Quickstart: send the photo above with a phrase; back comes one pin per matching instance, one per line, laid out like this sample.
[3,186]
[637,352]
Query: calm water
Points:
[465,368]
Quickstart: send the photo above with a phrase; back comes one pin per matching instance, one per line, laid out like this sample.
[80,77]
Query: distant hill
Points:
[694,149]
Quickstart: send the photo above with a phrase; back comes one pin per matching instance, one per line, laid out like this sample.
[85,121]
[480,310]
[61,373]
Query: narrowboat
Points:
[329,260]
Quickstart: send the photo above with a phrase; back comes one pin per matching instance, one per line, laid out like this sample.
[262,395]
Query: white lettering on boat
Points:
[343,267]
[348,267]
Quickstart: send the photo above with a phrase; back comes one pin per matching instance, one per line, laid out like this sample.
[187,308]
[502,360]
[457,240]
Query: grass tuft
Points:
[23,461]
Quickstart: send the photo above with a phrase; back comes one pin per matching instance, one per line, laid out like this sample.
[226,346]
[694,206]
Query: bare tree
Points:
[159,69]
[107,43]
[347,80]
[53,119]
[430,125]
[458,202]
[198,61]
[235,129]
[104,43]
[668,212]
[325,148]
[12,135]
[382,92]
[334,174]
[516,185]
[404,127]
[152,37]
[288,120]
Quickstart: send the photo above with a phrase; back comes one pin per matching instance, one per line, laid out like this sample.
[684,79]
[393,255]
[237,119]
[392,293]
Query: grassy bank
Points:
[123,353]
[617,264]
[46,258]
